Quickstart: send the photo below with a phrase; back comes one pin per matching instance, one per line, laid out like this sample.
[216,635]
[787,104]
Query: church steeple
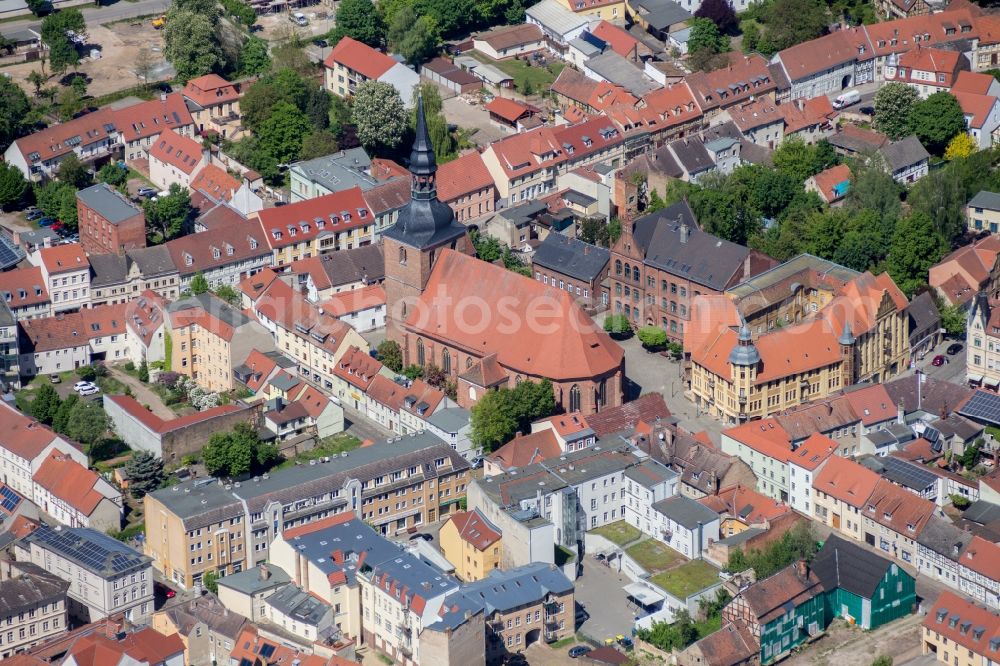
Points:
[423,164]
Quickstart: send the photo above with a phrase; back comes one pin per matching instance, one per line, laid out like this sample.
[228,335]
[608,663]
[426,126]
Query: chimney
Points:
[900,413]
[206,156]
[802,568]
[163,97]
[264,572]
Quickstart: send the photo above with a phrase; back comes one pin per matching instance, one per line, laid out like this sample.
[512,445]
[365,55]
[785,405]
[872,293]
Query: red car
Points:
[939,361]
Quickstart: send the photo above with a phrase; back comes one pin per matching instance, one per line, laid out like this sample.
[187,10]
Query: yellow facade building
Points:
[609,10]
[472,544]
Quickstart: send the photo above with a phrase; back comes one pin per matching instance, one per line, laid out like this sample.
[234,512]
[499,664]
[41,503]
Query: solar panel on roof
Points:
[983,406]
[10,499]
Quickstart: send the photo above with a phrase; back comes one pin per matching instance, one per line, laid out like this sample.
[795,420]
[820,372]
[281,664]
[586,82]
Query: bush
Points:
[169,378]
[618,325]
[129,366]
[652,337]
[86,373]
[960,502]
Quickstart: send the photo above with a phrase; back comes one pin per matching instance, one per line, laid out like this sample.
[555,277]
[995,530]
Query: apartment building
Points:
[70,340]
[766,447]
[33,601]
[25,445]
[139,125]
[174,159]
[206,525]
[214,104]
[229,253]
[106,576]
[472,544]
[24,292]
[979,571]
[578,267]
[66,272]
[116,278]
[92,136]
[840,493]
[205,626]
[244,593]
[982,213]
[959,633]
[351,63]
[893,518]
[108,222]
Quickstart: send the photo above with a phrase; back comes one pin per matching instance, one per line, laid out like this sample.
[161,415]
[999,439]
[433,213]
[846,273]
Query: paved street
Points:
[599,591]
[97,15]
[363,427]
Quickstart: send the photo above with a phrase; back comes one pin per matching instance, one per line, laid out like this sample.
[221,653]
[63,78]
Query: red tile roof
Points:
[354,300]
[800,114]
[158,426]
[463,176]
[571,347]
[872,404]
[395,396]
[215,182]
[952,616]
[547,146]
[323,216]
[22,435]
[620,41]
[898,509]
[177,150]
[475,529]
[745,77]
[147,645]
[973,82]
[63,258]
[507,109]
[747,504]
[824,53]
[262,365]
[829,180]
[233,242]
[647,408]
[527,449]
[59,139]
[772,597]
[25,286]
[70,481]
[758,113]
[766,437]
[983,557]
[813,452]
[567,424]
[147,119]
[847,481]
[359,57]
[357,368]
[329,521]
[145,314]
[938,61]
[977,106]
[210,90]
[511,36]
[73,329]
[903,34]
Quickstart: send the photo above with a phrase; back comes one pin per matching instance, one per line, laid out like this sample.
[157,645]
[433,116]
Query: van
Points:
[846,99]
[298,18]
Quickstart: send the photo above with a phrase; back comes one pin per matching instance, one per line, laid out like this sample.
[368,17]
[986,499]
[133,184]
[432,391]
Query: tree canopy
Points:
[893,103]
[936,120]
[500,413]
[169,214]
[62,51]
[238,452]
[379,115]
[145,473]
[360,20]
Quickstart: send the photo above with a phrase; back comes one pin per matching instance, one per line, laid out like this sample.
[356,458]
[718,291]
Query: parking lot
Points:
[600,593]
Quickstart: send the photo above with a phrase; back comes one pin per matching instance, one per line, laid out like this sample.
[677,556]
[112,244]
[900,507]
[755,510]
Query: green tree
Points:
[144,371]
[144,472]
[228,294]
[282,86]
[617,324]
[953,320]
[169,214]
[936,120]
[57,200]
[60,422]
[705,36]
[37,80]
[379,115]
[390,354]
[413,371]
[238,452]
[360,20]
[595,232]
[62,51]
[970,456]
[45,405]
[413,37]
[210,581]
[70,104]
[452,16]
[487,248]
[872,188]
[74,172]
[241,11]
[190,44]
[893,103]
[791,22]
[317,144]
[674,636]
[199,285]
[502,412]
[113,174]
[796,159]
[652,337]
[254,58]
[88,423]
[13,186]
[281,134]
[719,12]
[916,246]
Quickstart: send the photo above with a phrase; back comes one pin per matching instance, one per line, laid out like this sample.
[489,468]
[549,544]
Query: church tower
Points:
[425,226]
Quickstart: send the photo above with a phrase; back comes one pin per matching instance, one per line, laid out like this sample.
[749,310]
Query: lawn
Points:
[529,80]
[331,446]
[654,556]
[687,579]
[620,532]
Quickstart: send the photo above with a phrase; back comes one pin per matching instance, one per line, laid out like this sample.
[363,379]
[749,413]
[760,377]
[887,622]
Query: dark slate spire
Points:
[425,221]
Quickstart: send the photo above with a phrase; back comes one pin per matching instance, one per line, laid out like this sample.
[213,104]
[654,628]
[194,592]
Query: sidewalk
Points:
[143,394]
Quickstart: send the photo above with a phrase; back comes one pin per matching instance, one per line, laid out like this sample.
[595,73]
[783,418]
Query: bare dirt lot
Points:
[277,28]
[844,644]
[120,44]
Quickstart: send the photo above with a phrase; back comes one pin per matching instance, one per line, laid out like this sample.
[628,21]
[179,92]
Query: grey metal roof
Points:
[619,70]
[846,565]
[904,153]
[923,315]
[572,257]
[254,580]
[450,419]
[553,16]
[579,198]
[414,575]
[982,512]
[152,261]
[354,540]
[662,14]
[339,171]
[721,143]
[944,537]
[28,587]
[985,199]
[302,606]
[285,382]
[92,550]
[586,48]
[692,155]
[33,237]
[685,511]
[108,269]
[650,472]
[503,591]
[111,205]
[704,258]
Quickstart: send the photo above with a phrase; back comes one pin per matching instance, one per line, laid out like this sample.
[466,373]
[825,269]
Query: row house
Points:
[175,159]
[939,547]
[118,278]
[206,525]
[576,94]
[76,496]
[893,519]
[958,632]
[26,293]
[66,272]
[140,125]
[467,186]
[226,255]
[399,405]
[25,445]
[979,96]
[70,340]
[34,605]
[314,339]
[840,492]
[979,572]
[983,357]
[92,136]
[309,228]
[926,70]
[744,78]
[525,166]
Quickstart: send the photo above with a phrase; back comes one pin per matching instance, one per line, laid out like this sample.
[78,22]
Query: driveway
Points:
[460,113]
[143,394]
[600,593]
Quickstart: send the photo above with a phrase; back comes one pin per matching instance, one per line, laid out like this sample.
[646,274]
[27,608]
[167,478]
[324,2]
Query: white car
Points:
[89,390]
[82,385]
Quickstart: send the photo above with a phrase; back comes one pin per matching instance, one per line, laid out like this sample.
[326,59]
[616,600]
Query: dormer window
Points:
[362,213]
[305,227]
[334,219]
[253,242]
[230,250]
[188,259]
[276,234]
[216,252]
[292,231]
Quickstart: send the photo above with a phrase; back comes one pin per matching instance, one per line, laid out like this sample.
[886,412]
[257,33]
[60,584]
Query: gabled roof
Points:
[745,504]
[743,78]
[462,176]
[177,150]
[25,286]
[824,53]
[765,436]
[305,220]
[847,481]
[813,452]
[216,183]
[773,597]
[354,300]
[359,57]
[57,140]
[977,83]
[227,243]
[842,564]
[474,528]
[526,450]
[620,41]
[983,557]
[63,258]
[210,90]
[147,119]
[572,257]
[904,153]
[648,408]
[70,481]
[511,36]
[573,348]
[357,368]
[832,183]
[898,509]
[965,624]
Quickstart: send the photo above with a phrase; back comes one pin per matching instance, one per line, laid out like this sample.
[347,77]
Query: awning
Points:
[644,595]
[992,381]
[975,378]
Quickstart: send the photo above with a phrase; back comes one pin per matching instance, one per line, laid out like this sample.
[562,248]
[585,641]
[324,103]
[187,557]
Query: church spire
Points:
[423,165]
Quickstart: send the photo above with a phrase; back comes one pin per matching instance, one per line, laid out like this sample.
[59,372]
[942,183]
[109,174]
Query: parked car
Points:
[476,462]
[163,590]
[322,43]
[846,99]
[146,192]
[34,215]
[938,361]
[46,222]
[579,651]
[58,226]
[90,390]
[625,642]
[55,379]
[82,384]
[954,348]
[422,535]
[867,110]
